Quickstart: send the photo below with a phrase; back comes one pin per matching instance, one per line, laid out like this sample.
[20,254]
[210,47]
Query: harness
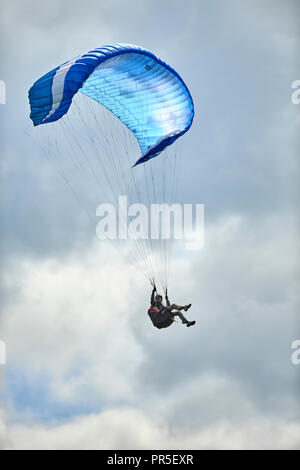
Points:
[160,318]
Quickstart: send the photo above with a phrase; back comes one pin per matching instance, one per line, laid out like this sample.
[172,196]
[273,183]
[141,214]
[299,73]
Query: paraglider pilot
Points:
[161,315]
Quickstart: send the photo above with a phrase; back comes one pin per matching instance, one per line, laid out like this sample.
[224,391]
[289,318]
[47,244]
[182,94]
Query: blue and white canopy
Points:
[145,93]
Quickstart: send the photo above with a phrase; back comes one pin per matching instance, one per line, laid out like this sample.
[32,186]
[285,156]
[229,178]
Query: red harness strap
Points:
[151,309]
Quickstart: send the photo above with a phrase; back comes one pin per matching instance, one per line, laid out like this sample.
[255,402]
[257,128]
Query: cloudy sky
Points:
[85,368]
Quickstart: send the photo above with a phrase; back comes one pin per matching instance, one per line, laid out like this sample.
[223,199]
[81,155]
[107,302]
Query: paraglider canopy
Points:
[145,93]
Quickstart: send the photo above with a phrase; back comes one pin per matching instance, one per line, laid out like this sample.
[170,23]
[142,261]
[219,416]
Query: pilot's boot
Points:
[187,307]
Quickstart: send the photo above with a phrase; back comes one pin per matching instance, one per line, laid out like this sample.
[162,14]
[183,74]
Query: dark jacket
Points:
[158,313]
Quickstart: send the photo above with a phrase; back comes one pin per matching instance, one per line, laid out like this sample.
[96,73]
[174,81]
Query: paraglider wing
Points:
[145,93]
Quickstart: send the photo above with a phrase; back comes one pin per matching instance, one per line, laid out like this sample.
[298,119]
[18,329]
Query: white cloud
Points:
[127,428]
[70,312]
